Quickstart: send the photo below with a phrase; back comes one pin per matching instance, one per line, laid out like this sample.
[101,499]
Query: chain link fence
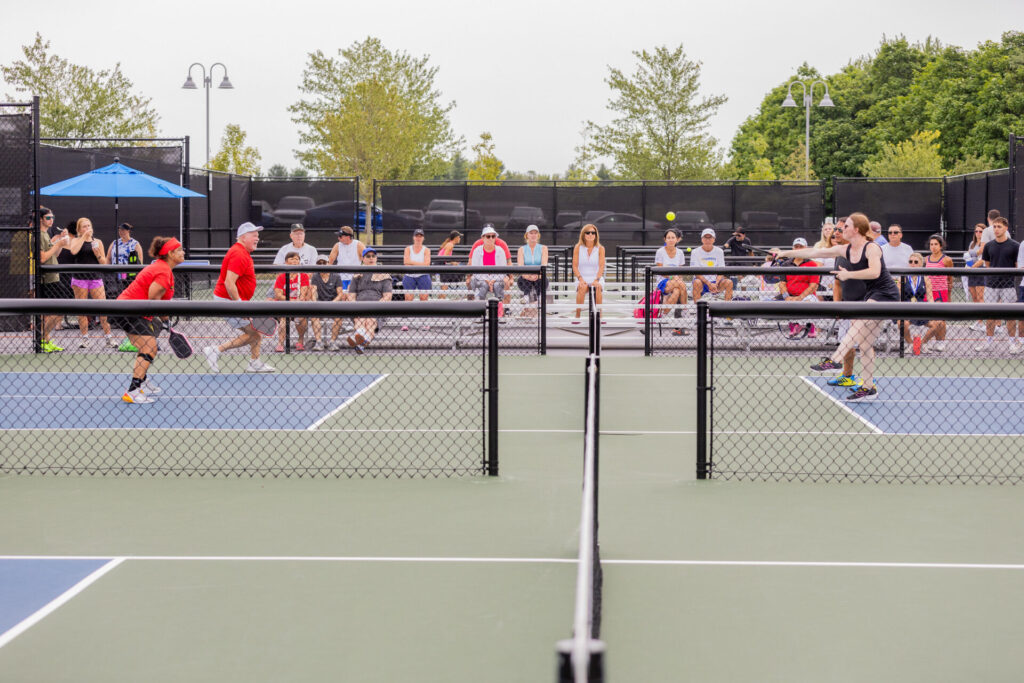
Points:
[386,403]
[905,392]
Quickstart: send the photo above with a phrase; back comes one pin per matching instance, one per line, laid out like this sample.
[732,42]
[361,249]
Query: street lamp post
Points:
[826,101]
[225,84]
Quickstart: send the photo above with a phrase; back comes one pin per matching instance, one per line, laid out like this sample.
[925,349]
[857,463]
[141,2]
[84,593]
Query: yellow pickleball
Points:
[670,216]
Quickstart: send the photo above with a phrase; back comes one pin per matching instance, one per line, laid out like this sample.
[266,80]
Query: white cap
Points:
[532,228]
[707,231]
[247,227]
[488,230]
[801,241]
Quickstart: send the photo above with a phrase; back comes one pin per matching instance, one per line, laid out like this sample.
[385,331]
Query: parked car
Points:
[292,209]
[693,220]
[444,214]
[261,213]
[522,216]
[414,215]
[615,222]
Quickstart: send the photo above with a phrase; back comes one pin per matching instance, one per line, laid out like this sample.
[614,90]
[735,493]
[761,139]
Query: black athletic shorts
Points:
[138,325]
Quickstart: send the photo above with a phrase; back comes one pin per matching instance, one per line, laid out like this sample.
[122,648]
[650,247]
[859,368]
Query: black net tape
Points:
[932,397]
[388,403]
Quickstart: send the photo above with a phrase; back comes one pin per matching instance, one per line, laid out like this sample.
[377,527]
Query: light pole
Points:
[207,84]
[826,101]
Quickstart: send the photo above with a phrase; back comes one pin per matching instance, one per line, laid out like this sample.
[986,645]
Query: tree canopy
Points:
[76,101]
[373,113]
[234,155]
[660,126]
[971,99]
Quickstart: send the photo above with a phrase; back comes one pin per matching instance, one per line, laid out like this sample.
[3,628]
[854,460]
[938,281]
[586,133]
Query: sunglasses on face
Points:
[894,232]
[48,218]
[590,232]
[490,237]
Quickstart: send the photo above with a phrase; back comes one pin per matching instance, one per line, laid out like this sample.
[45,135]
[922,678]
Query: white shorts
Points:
[1003,295]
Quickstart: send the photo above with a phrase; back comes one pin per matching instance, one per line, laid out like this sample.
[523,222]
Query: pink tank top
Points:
[940,283]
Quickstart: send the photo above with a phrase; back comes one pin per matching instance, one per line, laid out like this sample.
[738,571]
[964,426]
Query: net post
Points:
[542,310]
[648,280]
[595,669]
[491,457]
[702,388]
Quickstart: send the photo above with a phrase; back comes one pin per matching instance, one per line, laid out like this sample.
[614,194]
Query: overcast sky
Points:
[529,71]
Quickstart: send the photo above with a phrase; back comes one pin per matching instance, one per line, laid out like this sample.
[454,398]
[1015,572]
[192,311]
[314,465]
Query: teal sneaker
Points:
[845,381]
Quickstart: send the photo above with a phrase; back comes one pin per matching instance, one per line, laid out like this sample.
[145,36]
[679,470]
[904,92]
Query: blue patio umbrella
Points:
[117,181]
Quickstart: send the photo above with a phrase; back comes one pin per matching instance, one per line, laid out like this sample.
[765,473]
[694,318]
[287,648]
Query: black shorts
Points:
[452,278]
[138,325]
[55,290]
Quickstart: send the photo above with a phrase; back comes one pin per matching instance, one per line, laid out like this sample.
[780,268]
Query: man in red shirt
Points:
[800,288]
[237,282]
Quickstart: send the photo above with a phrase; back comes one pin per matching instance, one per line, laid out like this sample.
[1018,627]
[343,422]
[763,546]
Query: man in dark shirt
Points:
[738,244]
[1000,252]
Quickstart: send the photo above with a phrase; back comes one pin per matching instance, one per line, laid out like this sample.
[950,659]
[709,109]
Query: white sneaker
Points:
[136,396]
[328,345]
[984,346]
[1016,348]
[977,327]
[259,366]
[111,342]
[150,389]
[212,354]
[938,347]
[83,342]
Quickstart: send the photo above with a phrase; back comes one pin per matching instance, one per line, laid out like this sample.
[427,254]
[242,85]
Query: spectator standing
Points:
[975,284]
[328,287]
[447,248]
[826,241]
[347,251]
[876,234]
[297,285]
[88,251]
[707,255]
[533,253]
[588,264]
[941,284]
[800,288]
[125,250]
[673,289]
[306,252]
[896,252]
[237,282]
[1001,252]
[367,287]
[51,289]
[989,233]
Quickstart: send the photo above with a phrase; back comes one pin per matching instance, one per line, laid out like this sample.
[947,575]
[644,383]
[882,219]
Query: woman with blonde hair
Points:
[86,250]
[533,253]
[864,277]
[588,265]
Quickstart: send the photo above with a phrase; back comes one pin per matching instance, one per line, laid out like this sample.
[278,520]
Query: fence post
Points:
[491,457]
[33,238]
[648,328]
[902,326]
[186,214]
[702,389]
[1012,186]
[542,310]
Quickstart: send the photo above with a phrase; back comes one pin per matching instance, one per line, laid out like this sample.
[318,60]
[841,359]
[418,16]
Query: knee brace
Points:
[146,357]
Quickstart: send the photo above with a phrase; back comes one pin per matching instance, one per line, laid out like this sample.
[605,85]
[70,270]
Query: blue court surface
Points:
[80,400]
[989,406]
[28,585]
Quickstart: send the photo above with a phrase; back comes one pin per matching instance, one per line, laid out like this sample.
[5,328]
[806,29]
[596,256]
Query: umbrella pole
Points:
[115,215]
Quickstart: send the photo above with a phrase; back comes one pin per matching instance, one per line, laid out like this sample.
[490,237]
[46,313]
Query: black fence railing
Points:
[401,406]
[861,412]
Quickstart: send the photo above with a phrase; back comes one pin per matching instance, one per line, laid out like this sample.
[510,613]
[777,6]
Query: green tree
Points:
[970,164]
[459,168]
[76,101]
[234,155]
[299,172]
[916,157]
[485,165]
[277,171]
[373,113]
[795,165]
[660,127]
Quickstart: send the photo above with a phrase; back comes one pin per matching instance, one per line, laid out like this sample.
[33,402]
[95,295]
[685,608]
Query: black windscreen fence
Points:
[437,208]
[954,209]
[511,208]
[616,210]
[1017,185]
[150,216]
[17,231]
[696,206]
[776,213]
[914,204]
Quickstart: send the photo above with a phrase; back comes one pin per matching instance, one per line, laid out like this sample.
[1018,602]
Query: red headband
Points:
[169,246]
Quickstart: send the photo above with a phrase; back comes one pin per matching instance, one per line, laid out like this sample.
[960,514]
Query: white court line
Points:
[870,425]
[345,403]
[188,396]
[47,609]
[525,560]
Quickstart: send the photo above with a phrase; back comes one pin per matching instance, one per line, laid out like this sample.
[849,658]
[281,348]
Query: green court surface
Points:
[472,578]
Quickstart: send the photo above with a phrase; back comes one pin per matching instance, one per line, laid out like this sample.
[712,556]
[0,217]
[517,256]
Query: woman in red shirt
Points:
[154,282]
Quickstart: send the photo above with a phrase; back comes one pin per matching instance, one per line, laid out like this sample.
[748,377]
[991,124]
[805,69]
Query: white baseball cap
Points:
[532,228]
[247,227]
[801,241]
[488,230]
[707,231]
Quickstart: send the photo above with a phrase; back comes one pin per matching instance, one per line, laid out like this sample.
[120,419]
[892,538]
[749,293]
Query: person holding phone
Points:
[88,250]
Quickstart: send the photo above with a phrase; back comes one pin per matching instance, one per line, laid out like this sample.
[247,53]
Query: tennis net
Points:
[581,658]
[344,389]
[931,392]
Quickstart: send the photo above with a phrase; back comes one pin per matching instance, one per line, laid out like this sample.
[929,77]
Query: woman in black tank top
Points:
[863,277]
[87,250]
